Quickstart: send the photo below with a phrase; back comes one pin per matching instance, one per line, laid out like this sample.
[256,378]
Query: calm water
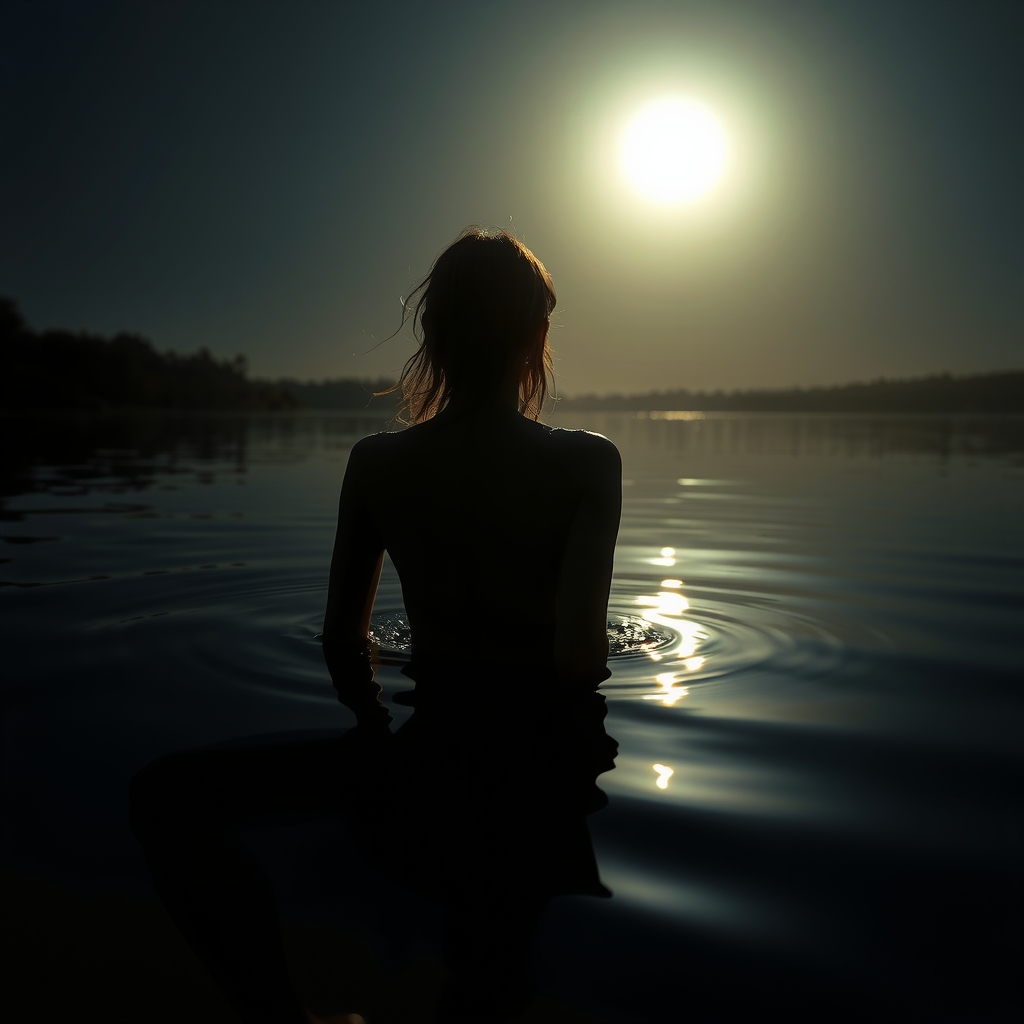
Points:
[817,691]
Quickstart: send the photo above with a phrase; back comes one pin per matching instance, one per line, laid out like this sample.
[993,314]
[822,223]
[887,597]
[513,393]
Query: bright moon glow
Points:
[673,150]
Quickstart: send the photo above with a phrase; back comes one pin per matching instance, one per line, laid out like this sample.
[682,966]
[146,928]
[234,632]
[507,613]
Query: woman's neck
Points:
[499,406]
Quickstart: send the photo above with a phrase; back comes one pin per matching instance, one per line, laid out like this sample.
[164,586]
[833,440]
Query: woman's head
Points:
[482,320]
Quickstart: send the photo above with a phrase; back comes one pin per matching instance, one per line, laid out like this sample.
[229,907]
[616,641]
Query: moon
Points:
[673,150]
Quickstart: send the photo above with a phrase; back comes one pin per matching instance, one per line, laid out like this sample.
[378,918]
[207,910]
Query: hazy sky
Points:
[271,178]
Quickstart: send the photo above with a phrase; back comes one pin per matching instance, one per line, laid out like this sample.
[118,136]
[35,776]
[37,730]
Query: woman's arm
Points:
[355,573]
[581,624]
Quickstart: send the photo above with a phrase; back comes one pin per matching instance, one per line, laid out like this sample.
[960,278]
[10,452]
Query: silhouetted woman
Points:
[502,531]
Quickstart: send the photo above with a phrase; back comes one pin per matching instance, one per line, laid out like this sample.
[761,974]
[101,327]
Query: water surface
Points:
[816,688]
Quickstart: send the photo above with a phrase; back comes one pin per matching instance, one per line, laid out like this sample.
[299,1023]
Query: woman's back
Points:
[478,513]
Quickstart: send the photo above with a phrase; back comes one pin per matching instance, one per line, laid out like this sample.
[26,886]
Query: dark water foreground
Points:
[816,813]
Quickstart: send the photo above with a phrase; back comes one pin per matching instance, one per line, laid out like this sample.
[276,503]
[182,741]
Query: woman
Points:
[502,531]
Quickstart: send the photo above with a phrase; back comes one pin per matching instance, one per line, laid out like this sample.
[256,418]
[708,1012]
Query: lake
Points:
[816,625]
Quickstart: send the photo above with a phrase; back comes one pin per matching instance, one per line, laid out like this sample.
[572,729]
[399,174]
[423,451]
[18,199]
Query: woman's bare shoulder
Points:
[585,453]
[374,446]
[584,443]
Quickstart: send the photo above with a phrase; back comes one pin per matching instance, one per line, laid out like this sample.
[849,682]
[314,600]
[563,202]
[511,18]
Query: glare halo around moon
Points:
[673,150]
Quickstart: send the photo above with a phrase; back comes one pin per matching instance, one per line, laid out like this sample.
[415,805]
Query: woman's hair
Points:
[481,317]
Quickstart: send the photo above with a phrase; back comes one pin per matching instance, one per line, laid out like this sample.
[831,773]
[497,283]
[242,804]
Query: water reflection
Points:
[664,774]
[668,557]
[666,608]
[78,454]
[670,691]
[808,435]
[664,604]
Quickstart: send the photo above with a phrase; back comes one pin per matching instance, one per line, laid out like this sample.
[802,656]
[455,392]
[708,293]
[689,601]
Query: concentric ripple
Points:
[664,648]
[660,641]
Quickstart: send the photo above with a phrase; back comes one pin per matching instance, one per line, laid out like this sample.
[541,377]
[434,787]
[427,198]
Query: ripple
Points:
[660,643]
[711,637]
[719,633]
[714,637]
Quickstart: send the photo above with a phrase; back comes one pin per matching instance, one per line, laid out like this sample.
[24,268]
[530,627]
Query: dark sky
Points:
[270,178]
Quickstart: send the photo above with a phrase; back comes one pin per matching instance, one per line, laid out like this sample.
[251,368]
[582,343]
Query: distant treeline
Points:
[1001,392]
[75,370]
[66,370]
[60,369]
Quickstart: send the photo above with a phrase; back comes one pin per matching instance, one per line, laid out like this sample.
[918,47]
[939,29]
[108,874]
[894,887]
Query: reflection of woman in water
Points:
[502,532]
